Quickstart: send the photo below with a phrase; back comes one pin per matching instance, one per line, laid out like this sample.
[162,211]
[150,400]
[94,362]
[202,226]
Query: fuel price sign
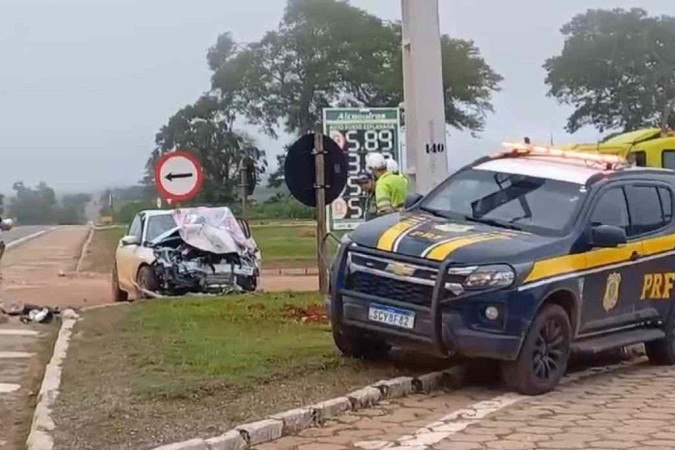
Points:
[359,131]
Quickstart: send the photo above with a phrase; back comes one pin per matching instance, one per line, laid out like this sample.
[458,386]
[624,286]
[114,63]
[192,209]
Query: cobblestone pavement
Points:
[627,407]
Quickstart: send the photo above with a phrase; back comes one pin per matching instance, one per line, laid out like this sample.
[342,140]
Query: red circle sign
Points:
[178,176]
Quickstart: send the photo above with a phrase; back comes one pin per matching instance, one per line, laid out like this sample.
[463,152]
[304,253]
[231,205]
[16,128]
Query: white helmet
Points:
[392,165]
[375,161]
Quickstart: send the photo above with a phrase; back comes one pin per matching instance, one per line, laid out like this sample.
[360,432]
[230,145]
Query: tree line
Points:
[616,69]
[39,205]
[322,53]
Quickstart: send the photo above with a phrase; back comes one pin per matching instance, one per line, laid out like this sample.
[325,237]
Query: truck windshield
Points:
[539,205]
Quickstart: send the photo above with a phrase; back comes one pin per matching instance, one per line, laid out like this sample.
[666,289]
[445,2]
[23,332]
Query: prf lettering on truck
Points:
[657,286]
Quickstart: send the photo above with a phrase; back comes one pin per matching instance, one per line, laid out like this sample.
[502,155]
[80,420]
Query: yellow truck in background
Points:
[651,147]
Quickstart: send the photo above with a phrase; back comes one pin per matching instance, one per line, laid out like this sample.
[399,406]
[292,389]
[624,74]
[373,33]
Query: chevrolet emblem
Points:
[402,270]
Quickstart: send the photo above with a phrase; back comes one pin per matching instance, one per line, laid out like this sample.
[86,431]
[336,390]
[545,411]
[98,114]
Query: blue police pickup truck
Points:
[520,257]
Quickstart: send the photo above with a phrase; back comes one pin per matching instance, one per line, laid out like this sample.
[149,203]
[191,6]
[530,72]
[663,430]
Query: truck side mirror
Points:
[411,200]
[608,236]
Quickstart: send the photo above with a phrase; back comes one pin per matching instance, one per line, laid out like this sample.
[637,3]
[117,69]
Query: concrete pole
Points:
[424,106]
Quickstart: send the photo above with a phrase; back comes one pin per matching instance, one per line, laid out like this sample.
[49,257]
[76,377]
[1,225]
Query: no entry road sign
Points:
[178,176]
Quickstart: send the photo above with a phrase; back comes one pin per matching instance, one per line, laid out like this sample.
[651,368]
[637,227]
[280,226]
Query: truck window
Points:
[644,205]
[668,159]
[611,209]
[666,204]
[639,158]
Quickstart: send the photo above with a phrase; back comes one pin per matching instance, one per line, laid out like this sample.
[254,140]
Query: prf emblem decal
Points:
[453,228]
[402,270]
[611,297]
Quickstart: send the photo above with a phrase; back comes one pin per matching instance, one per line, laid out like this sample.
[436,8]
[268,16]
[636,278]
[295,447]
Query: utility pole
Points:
[243,185]
[426,151]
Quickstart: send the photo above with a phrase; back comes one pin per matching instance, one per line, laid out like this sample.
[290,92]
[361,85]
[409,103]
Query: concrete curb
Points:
[30,237]
[295,420]
[40,437]
[301,271]
[84,249]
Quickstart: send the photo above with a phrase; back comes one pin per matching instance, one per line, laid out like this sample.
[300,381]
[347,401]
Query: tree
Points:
[206,128]
[329,53]
[617,69]
[32,206]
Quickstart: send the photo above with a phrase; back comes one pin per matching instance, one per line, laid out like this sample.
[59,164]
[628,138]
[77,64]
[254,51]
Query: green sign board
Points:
[359,131]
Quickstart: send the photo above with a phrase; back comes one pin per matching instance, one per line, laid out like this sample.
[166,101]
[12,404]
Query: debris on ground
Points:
[29,313]
[312,314]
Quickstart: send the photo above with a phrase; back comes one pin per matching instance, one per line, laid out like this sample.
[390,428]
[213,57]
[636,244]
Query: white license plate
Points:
[392,316]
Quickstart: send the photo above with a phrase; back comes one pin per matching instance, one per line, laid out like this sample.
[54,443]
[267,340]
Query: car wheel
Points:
[543,358]
[354,344]
[662,352]
[147,279]
[118,294]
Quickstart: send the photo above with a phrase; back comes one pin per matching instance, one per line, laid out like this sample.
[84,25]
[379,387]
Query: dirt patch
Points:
[312,313]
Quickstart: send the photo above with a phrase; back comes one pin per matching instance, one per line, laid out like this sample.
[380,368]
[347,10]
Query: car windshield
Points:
[158,225]
[539,205]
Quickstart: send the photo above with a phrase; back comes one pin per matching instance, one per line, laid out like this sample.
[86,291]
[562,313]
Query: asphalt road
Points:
[20,232]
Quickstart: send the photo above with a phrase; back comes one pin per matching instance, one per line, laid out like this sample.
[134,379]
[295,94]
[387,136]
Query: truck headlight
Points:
[345,239]
[494,276]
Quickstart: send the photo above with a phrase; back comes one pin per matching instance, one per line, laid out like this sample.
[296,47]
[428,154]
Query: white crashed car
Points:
[174,252]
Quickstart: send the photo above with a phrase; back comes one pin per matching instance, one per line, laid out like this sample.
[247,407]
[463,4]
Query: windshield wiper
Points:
[492,222]
[435,212]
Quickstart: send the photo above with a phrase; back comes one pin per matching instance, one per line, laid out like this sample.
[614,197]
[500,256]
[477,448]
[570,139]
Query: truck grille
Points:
[387,288]
[395,280]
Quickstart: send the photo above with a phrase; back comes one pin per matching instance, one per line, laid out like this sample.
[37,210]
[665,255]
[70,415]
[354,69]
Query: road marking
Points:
[6,388]
[29,237]
[14,355]
[16,332]
[457,421]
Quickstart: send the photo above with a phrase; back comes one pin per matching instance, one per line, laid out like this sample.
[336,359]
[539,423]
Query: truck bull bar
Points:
[438,300]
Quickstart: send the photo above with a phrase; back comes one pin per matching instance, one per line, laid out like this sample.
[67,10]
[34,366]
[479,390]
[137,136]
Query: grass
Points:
[101,253]
[168,370]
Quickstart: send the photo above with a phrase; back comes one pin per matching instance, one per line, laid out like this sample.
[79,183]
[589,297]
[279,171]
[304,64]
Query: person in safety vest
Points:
[390,189]
[367,183]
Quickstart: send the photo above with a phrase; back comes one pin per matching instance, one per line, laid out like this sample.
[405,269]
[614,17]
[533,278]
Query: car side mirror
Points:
[130,240]
[411,200]
[608,236]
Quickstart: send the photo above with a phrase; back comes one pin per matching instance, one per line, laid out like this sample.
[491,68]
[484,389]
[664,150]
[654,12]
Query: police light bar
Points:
[518,149]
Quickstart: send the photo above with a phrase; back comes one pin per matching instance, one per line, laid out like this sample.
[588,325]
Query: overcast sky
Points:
[85,84]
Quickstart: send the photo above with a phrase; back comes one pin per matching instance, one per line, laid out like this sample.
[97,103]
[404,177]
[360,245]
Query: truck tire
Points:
[354,344]
[147,279]
[543,358]
[662,352]
[118,294]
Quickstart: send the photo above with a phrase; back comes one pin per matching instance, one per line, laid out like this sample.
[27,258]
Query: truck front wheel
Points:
[543,358]
[355,344]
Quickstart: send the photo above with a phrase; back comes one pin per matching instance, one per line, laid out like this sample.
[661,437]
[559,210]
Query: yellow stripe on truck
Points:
[562,265]
[442,250]
[388,238]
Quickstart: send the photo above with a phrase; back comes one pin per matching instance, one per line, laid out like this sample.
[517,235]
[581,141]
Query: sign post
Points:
[359,131]
[319,165]
[178,176]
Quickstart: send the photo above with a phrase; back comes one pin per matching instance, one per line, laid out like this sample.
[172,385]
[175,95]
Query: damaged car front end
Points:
[209,251]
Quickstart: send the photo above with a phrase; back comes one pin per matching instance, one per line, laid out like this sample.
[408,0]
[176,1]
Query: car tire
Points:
[543,358]
[662,351]
[147,279]
[354,344]
[118,294]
